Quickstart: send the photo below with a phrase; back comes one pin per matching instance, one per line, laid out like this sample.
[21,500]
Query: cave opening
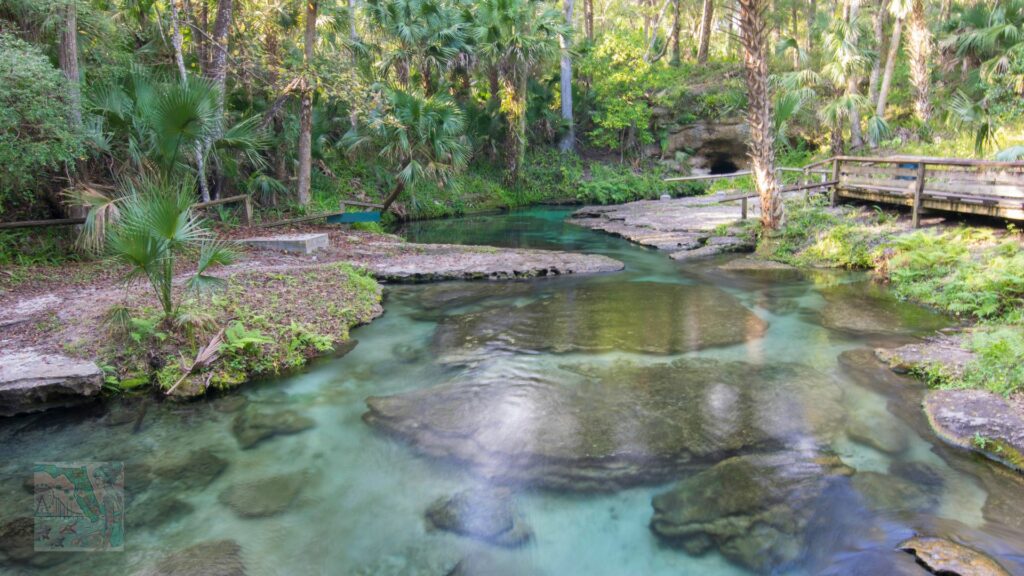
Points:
[722,164]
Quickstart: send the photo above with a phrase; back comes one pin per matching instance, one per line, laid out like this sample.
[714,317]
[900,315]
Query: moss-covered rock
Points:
[254,425]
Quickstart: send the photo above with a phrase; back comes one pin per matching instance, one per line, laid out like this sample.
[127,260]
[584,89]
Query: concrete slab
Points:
[298,243]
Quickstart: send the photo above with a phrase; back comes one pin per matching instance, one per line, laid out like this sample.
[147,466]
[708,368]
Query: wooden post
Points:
[247,211]
[743,208]
[835,187]
[807,180]
[918,189]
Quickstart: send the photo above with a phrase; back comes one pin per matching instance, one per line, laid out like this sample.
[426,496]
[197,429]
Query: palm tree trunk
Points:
[812,15]
[306,114]
[513,105]
[217,71]
[568,143]
[759,111]
[919,47]
[588,18]
[852,82]
[890,66]
[876,66]
[705,31]
[68,60]
[395,193]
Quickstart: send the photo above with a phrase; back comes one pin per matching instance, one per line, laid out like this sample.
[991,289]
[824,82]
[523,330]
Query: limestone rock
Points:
[646,317]
[586,428]
[945,351]
[887,493]
[485,514]
[434,262]
[17,546]
[256,425]
[879,430]
[941,556]
[32,382]
[193,470]
[216,558]
[263,497]
[867,309]
[156,508]
[981,421]
[751,264]
[753,509]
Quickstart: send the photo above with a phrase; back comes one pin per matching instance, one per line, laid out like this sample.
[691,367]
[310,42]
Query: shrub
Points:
[35,135]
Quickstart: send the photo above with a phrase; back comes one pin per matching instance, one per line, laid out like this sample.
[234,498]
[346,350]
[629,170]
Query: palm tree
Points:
[568,143]
[155,225]
[993,36]
[516,36]
[759,111]
[420,137]
[845,61]
[899,10]
[919,48]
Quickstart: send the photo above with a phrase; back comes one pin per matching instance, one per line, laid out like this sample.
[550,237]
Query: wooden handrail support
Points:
[246,213]
[41,223]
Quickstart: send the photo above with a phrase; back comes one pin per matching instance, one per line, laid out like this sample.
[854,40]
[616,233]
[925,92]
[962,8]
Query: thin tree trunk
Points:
[812,16]
[588,18]
[306,115]
[179,59]
[890,66]
[273,48]
[731,38]
[919,48]
[568,143]
[759,111]
[876,66]
[68,60]
[705,31]
[675,34]
[795,22]
[852,82]
[217,72]
[395,193]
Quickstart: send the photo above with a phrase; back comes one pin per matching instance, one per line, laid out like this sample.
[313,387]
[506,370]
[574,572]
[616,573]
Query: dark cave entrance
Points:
[722,164]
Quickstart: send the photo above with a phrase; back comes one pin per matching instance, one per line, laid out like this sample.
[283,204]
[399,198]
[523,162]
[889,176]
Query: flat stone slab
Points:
[941,556]
[946,352]
[32,382]
[981,421]
[435,262]
[298,243]
[678,226]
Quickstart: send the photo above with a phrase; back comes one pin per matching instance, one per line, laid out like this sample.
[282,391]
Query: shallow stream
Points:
[586,397]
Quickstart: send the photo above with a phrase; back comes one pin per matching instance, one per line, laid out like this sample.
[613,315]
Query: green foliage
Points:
[615,185]
[156,225]
[999,366]
[36,138]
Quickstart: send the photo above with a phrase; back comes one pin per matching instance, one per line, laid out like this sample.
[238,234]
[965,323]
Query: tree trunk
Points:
[919,48]
[675,34]
[179,59]
[273,48]
[588,18]
[705,31]
[513,104]
[568,143]
[759,111]
[890,66]
[812,15]
[217,73]
[795,22]
[876,66]
[306,115]
[68,60]
[852,82]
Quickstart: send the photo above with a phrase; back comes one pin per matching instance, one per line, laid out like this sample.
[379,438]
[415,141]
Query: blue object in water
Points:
[351,217]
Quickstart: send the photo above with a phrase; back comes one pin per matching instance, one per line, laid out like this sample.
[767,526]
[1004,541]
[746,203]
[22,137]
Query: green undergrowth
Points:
[273,322]
[973,273]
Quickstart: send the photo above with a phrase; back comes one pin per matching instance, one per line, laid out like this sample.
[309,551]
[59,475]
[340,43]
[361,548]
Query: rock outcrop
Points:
[940,556]
[753,509]
[981,421]
[583,428]
[945,352]
[32,382]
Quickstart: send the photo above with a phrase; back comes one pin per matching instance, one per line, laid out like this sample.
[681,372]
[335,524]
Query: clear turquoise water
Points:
[361,510]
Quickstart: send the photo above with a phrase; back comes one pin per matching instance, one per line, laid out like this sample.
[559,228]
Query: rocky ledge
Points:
[686,227]
[940,556]
[31,382]
[944,352]
[436,262]
[980,421]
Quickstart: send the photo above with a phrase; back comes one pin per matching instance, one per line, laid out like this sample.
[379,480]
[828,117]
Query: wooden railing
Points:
[923,183]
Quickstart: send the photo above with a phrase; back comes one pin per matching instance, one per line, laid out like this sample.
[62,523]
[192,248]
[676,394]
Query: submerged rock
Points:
[263,497]
[255,425]
[193,470]
[216,558]
[600,428]
[752,264]
[940,556]
[17,545]
[879,430]
[485,514]
[864,308]
[753,509]
[645,317]
[156,508]
[886,493]
[487,564]
[981,421]
[32,382]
